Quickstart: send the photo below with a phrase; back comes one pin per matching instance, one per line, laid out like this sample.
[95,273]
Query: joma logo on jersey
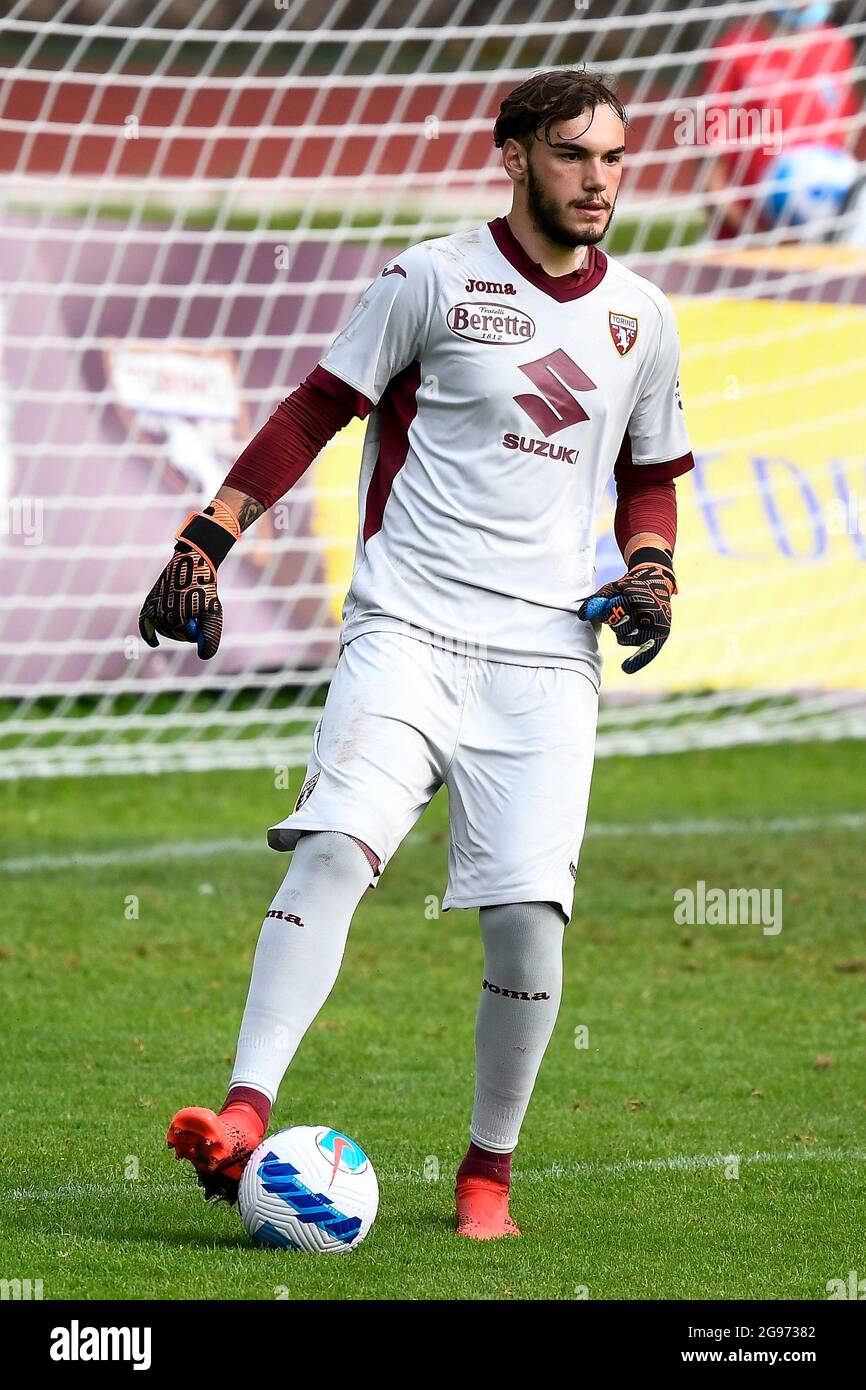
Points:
[490,323]
[489,287]
[623,331]
[542,447]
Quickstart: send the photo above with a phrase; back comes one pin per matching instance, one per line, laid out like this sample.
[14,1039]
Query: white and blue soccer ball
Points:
[309,1188]
[809,183]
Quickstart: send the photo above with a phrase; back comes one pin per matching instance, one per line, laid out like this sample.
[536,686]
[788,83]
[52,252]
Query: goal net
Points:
[194,197]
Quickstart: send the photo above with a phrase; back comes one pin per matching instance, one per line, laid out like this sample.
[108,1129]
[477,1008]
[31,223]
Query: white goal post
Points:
[194,195]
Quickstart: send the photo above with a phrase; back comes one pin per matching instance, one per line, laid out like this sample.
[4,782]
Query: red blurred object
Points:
[806,88]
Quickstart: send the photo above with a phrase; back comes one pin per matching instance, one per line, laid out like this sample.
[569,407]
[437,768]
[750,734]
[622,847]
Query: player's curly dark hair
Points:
[545,97]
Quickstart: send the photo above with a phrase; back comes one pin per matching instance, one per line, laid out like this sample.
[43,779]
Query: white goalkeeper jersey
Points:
[501,399]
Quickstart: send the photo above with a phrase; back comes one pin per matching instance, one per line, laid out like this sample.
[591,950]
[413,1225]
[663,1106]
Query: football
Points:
[808,183]
[309,1188]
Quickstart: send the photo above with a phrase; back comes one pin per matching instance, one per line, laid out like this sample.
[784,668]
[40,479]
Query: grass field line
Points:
[674,1163]
[161,852]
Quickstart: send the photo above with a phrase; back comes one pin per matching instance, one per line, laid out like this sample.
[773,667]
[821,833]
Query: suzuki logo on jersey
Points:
[489,287]
[623,330]
[490,323]
[555,376]
[542,447]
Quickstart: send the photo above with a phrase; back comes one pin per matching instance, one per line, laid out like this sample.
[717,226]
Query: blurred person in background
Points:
[782,121]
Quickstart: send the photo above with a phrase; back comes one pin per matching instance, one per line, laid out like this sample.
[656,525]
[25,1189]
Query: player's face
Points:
[572,183]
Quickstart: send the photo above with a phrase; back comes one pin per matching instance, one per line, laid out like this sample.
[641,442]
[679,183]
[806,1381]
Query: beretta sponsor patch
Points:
[490,323]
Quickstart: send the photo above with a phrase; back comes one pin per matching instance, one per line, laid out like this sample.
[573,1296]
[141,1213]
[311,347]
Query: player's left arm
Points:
[655,451]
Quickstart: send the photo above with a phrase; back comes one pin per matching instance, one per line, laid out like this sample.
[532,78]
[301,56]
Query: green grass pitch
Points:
[705,1045]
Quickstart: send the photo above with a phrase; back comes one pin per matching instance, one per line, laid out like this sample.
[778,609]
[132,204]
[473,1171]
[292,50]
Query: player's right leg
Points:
[297,959]
[379,755]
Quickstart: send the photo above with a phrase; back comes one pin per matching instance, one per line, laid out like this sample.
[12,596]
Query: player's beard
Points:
[549,220]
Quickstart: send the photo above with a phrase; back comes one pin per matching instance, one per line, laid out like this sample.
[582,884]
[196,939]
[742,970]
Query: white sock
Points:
[516,1014]
[298,956]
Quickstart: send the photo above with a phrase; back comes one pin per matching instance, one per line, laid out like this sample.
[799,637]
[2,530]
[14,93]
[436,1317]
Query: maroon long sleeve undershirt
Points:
[322,405]
[298,430]
[646,497]
[643,506]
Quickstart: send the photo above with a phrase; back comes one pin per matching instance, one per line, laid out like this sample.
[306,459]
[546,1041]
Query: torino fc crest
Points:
[623,330]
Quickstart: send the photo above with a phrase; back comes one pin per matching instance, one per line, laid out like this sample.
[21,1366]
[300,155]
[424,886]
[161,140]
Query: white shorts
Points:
[513,744]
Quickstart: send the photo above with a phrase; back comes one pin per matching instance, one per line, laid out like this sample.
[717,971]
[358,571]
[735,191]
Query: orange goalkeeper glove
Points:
[183,603]
[637,607]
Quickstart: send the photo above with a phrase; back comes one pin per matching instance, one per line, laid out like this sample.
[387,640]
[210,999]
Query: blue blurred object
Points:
[802,19]
[597,609]
[195,634]
[809,183]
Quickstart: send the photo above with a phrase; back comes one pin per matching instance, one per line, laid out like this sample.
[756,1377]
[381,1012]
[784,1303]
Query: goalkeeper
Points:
[506,372]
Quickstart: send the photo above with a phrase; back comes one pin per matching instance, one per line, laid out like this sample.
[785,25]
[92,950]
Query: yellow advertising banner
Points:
[771,554]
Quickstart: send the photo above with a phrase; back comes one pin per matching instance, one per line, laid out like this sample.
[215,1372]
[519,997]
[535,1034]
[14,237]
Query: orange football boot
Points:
[217,1146]
[482,1209]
